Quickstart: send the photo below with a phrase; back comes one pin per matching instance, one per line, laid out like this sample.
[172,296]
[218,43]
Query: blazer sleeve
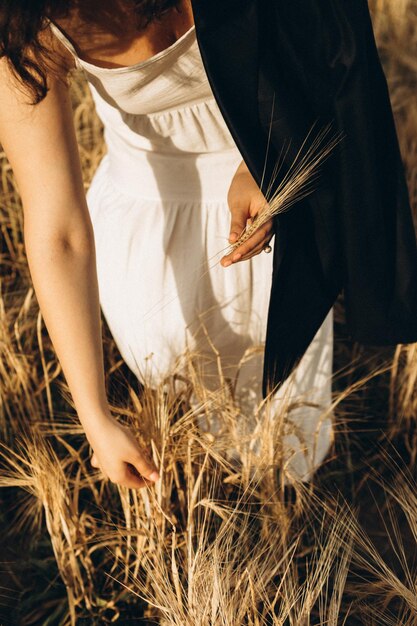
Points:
[321,61]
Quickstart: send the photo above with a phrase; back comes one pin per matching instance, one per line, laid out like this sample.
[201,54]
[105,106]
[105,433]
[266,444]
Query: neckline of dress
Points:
[124,68]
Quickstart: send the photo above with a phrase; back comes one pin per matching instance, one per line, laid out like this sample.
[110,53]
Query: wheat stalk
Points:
[296,184]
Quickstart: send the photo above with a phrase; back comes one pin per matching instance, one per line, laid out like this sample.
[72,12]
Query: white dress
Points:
[158,205]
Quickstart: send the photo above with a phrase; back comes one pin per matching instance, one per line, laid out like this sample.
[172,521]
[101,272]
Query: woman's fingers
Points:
[133,479]
[135,474]
[254,245]
[239,216]
[145,466]
[125,475]
[256,250]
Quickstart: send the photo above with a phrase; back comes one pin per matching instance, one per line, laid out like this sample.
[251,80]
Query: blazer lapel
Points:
[227,34]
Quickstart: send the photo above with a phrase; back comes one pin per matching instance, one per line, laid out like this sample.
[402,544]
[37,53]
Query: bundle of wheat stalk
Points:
[297,182]
[214,543]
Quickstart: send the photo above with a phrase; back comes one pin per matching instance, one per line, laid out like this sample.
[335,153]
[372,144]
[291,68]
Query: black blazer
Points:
[318,61]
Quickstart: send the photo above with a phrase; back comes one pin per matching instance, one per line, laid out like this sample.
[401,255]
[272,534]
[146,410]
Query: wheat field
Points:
[213,544]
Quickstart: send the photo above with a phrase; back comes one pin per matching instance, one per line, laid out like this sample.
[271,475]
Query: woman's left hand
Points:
[245,199]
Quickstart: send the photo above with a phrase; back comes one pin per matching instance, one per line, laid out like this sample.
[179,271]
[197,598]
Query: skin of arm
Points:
[40,143]
[245,200]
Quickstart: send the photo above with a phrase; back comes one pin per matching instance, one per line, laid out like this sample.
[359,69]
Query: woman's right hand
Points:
[119,456]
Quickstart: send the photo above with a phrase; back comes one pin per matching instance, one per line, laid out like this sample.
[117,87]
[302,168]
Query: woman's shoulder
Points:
[51,60]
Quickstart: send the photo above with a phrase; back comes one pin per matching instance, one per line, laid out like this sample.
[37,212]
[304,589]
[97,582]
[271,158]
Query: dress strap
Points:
[65,41]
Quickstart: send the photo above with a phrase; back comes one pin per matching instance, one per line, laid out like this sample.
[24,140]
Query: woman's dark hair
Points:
[21,24]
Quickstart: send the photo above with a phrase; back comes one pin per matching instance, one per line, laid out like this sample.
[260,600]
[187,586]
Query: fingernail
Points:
[233,237]
[227,263]
[236,257]
[154,476]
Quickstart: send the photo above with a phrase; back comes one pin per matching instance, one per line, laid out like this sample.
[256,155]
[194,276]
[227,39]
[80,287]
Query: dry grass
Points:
[216,542]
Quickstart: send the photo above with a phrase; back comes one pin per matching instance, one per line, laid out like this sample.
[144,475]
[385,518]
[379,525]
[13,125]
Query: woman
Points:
[156,210]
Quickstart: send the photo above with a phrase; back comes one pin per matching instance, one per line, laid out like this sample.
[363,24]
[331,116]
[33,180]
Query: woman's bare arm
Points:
[40,143]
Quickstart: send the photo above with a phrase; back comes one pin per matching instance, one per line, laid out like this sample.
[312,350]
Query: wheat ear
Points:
[297,182]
